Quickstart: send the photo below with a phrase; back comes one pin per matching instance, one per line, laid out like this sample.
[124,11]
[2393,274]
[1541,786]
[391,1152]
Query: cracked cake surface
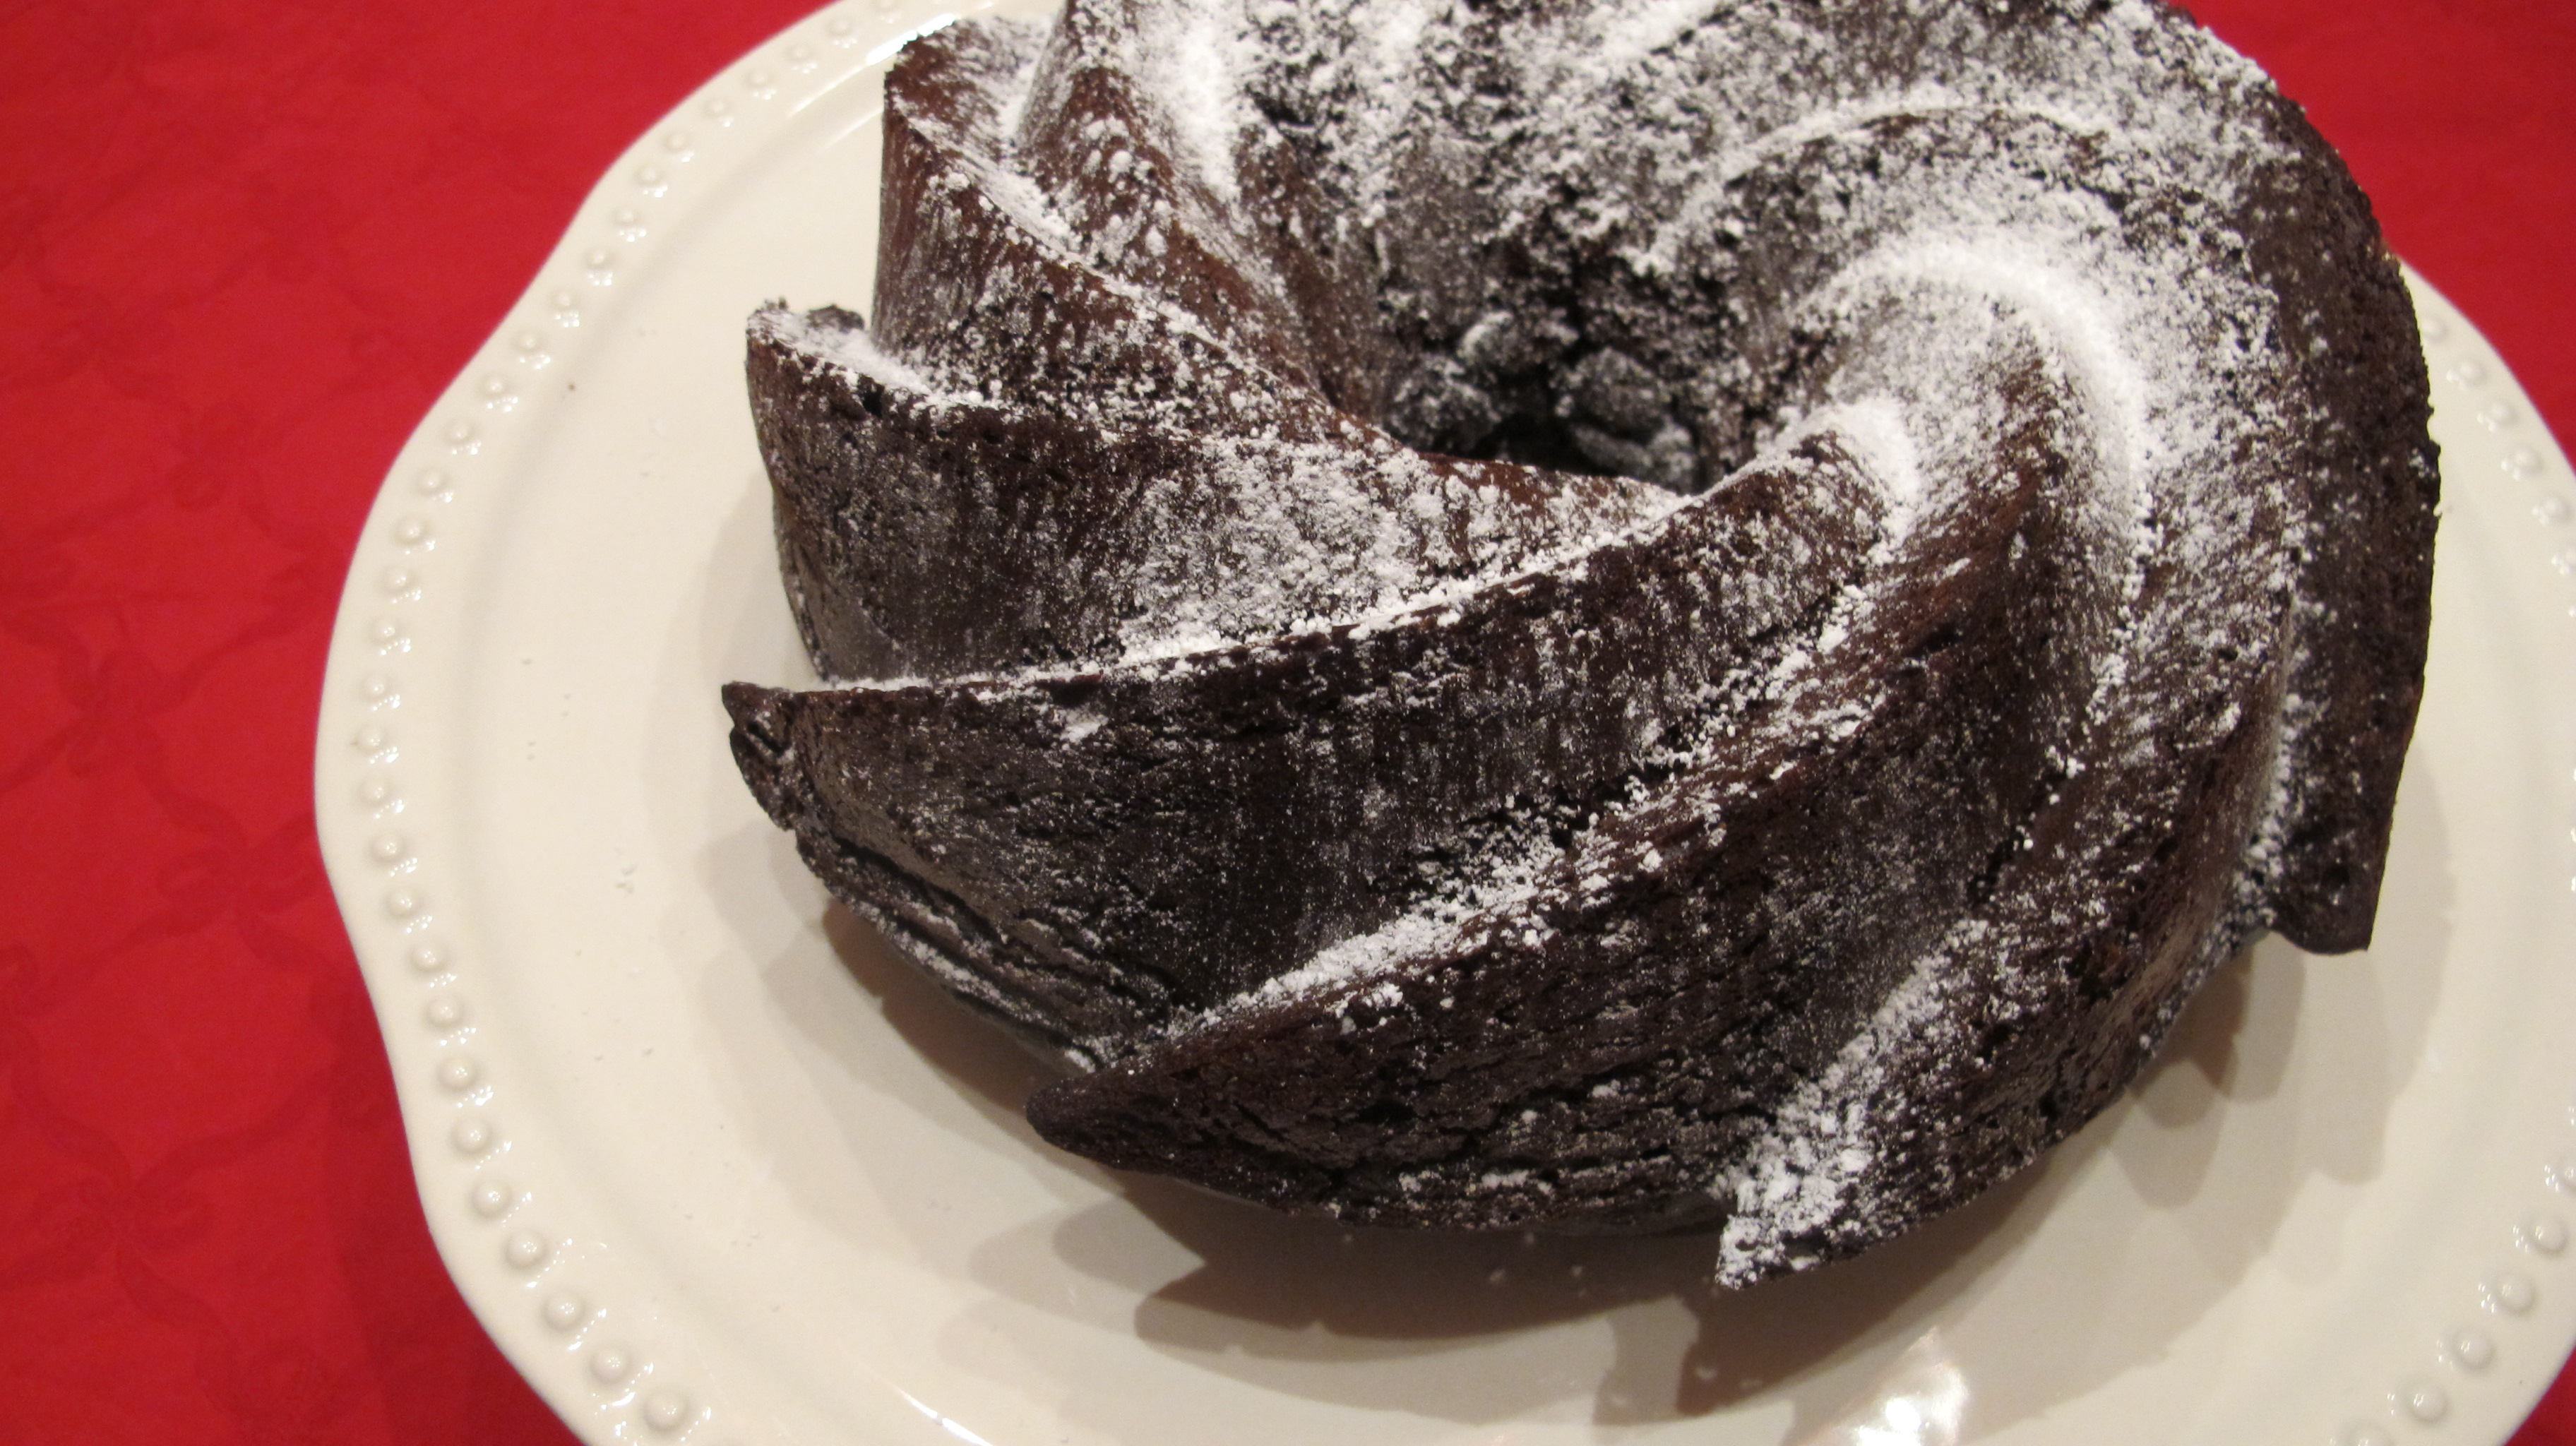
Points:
[1597,616]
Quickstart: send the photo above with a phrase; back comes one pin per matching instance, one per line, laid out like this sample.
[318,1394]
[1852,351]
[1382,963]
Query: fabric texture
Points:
[242,249]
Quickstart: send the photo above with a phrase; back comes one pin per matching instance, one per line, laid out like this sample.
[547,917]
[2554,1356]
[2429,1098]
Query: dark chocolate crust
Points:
[1610,628]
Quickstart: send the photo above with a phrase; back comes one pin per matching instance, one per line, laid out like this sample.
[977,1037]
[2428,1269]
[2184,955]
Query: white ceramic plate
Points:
[711,1167]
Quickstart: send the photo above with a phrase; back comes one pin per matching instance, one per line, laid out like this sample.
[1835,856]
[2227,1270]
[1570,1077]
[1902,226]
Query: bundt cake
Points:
[1597,616]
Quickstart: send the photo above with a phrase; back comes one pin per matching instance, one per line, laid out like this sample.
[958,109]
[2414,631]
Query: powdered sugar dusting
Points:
[1874,427]
[1995,261]
[1194,65]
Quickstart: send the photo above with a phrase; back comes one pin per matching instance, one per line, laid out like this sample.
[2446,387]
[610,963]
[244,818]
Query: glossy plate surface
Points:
[712,1167]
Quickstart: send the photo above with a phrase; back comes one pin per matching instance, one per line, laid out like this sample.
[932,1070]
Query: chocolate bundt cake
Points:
[1610,616]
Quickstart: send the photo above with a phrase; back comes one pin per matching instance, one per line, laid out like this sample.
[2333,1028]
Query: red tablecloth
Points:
[242,248]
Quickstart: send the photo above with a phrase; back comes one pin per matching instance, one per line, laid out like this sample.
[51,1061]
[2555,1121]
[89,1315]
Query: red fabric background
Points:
[242,248]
